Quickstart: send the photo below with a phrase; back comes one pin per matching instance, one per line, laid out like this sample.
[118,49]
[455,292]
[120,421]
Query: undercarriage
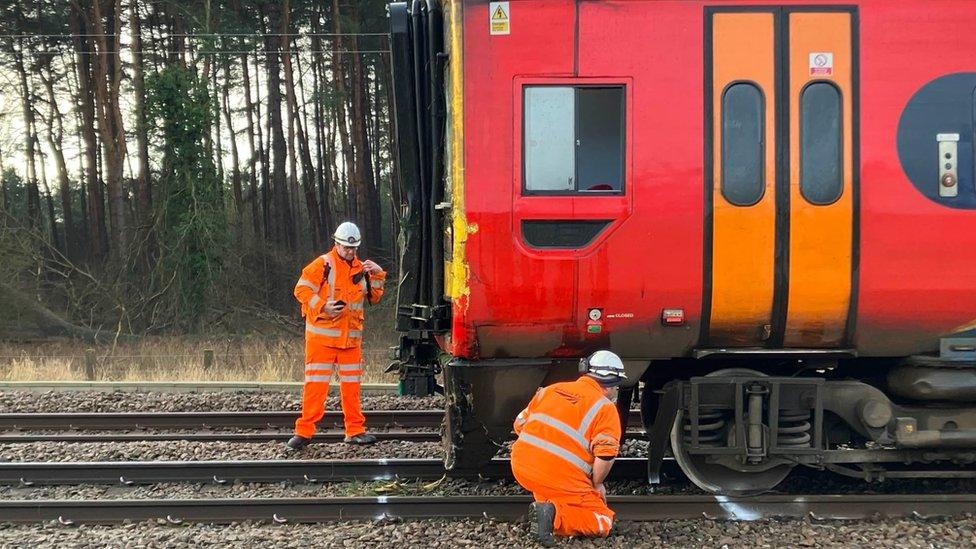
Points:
[739,426]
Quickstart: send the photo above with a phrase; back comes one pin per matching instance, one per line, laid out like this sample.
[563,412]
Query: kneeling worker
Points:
[568,437]
[333,289]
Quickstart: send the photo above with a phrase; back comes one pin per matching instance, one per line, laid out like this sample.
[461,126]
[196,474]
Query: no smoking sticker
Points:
[821,63]
[499,20]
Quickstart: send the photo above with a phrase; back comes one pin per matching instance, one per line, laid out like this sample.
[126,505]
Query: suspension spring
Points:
[794,429]
[711,428]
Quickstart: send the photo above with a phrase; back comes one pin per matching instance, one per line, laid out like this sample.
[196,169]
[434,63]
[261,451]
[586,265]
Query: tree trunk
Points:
[367,203]
[252,161]
[4,192]
[218,149]
[47,321]
[339,174]
[323,170]
[265,168]
[95,210]
[143,183]
[49,200]
[286,45]
[295,129]
[33,199]
[396,190]
[86,244]
[284,221]
[235,177]
[33,195]
[55,136]
[108,79]
[338,73]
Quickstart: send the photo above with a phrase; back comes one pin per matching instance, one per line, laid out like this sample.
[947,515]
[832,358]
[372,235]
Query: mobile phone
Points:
[341,304]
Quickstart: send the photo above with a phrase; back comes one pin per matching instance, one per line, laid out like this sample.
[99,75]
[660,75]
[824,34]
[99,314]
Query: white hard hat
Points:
[604,366]
[347,234]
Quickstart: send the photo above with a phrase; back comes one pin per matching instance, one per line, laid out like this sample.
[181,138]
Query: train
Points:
[767,209]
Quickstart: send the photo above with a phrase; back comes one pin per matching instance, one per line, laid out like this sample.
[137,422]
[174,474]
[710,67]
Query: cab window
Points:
[573,139]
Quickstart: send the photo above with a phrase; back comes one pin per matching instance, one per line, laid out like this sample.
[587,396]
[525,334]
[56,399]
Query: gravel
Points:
[121,401]
[181,450]
[222,450]
[902,533]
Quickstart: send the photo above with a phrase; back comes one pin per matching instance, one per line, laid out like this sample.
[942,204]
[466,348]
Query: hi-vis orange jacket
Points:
[329,277]
[562,430]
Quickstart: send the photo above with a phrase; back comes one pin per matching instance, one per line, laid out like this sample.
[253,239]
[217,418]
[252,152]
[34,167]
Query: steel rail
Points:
[222,472]
[631,508]
[181,386]
[277,436]
[119,421]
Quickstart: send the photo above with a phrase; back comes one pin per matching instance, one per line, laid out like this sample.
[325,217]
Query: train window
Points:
[821,143]
[743,147]
[599,139]
[549,148]
[573,139]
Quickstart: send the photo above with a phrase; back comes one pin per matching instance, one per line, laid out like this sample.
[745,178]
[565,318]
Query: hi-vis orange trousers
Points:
[577,514]
[320,364]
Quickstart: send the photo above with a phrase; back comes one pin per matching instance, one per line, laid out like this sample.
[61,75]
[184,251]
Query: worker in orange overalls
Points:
[568,437]
[333,290]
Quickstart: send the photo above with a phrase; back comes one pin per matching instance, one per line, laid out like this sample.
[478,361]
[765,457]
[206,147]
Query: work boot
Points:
[541,516]
[296,443]
[361,438]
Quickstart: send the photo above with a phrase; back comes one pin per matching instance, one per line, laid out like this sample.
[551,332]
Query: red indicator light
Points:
[673,317]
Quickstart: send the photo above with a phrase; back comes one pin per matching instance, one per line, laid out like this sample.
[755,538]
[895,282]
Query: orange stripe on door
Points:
[743,236]
[821,225]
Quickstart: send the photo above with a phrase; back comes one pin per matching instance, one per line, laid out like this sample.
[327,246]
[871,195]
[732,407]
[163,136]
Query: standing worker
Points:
[568,437]
[333,290]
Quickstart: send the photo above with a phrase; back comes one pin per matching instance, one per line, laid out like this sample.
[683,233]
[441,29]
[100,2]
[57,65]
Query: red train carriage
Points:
[767,208]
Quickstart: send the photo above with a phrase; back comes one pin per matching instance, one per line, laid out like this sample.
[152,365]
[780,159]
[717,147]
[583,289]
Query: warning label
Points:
[499,21]
[821,63]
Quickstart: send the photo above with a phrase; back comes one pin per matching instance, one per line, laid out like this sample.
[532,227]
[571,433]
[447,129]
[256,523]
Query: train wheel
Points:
[715,477]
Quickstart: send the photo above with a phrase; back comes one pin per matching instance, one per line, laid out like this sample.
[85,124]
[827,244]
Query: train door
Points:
[780,199]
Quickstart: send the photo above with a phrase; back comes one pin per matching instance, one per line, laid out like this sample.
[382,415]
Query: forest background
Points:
[166,169]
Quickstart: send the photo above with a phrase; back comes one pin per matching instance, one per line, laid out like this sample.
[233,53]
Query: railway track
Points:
[224,472]
[19,427]
[277,436]
[631,508]
[121,421]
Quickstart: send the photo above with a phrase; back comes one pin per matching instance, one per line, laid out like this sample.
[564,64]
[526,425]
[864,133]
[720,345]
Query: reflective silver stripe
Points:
[323,331]
[376,283]
[561,427]
[318,366]
[349,379]
[318,378]
[356,306]
[350,367]
[557,451]
[308,283]
[314,302]
[331,278]
[591,414]
[355,333]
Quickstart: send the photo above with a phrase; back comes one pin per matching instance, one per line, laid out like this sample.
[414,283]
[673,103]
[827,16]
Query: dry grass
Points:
[248,358]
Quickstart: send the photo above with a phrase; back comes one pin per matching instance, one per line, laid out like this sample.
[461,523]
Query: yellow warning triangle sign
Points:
[499,14]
